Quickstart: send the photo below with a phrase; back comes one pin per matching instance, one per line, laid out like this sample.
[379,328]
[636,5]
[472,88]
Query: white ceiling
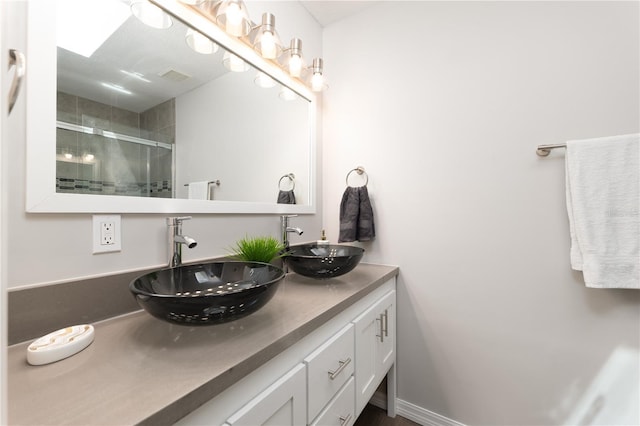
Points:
[327,12]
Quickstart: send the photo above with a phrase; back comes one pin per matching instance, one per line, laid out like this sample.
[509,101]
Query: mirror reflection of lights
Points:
[263,80]
[117,88]
[287,94]
[151,15]
[234,63]
[136,75]
[200,43]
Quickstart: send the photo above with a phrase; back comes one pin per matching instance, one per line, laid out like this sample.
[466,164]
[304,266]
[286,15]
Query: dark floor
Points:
[374,416]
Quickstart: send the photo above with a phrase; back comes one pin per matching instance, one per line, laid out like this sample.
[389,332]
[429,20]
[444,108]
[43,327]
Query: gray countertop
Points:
[143,370]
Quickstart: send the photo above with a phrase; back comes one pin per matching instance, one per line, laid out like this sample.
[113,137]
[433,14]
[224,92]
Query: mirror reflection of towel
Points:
[286,197]
[199,190]
[356,216]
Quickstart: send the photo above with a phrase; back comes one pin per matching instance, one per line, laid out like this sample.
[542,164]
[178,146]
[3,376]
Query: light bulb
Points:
[317,82]
[295,65]
[268,45]
[234,20]
[68,156]
[89,157]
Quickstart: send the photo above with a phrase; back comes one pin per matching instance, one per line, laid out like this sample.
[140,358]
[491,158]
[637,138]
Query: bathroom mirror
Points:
[145,121]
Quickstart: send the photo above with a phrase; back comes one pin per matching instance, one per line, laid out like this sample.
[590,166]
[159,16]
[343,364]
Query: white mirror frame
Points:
[41,195]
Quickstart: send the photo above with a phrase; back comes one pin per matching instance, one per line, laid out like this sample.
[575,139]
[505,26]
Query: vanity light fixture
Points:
[266,39]
[232,15]
[234,63]
[317,80]
[200,43]
[150,14]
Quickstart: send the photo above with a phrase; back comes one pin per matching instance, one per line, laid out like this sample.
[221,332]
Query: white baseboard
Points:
[413,412]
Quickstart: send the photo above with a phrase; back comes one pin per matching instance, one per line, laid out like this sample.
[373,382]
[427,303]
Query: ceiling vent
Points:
[174,75]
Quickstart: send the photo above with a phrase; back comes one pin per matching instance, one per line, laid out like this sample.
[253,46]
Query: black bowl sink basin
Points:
[323,260]
[208,293]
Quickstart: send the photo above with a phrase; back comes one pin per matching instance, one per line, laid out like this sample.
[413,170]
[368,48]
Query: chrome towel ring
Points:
[292,179]
[360,171]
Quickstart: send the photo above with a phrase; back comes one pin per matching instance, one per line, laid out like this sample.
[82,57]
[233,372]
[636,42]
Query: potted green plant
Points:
[258,249]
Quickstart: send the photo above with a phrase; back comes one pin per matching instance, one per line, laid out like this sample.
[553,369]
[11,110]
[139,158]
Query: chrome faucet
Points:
[176,240]
[286,229]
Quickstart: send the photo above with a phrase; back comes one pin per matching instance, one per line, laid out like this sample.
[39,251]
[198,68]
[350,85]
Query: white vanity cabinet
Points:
[326,378]
[374,347]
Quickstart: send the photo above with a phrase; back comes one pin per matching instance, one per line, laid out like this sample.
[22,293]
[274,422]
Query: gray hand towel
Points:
[286,197]
[356,216]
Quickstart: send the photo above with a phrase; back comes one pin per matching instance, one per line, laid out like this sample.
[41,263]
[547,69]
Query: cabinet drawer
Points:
[282,403]
[328,369]
[341,410]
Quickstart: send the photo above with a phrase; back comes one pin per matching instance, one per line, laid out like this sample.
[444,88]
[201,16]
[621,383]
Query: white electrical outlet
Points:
[106,233]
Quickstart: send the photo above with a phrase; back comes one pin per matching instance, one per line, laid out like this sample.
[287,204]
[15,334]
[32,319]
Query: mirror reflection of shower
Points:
[113,151]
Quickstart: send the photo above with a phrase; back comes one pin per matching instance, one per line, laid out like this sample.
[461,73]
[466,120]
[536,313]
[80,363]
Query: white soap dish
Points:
[60,344]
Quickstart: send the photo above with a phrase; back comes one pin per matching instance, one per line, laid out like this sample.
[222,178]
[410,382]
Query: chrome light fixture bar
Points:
[232,17]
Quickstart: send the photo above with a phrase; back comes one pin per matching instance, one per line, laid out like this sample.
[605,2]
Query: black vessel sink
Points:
[208,293]
[323,260]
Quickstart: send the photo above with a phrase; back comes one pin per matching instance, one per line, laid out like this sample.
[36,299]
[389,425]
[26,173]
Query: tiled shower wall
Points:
[117,167]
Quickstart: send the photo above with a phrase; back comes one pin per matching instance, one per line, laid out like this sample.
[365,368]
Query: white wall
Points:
[47,248]
[444,103]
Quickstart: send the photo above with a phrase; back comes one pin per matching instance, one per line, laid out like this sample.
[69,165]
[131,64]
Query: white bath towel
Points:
[199,190]
[603,186]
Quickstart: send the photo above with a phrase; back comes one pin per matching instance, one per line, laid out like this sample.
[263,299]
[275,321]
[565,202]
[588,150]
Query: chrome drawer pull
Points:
[345,419]
[386,323]
[382,328]
[343,364]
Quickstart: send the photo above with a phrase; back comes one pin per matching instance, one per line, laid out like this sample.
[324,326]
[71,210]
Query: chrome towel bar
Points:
[544,150]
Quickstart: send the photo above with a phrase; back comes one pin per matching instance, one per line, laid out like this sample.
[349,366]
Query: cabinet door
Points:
[375,347]
[282,403]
